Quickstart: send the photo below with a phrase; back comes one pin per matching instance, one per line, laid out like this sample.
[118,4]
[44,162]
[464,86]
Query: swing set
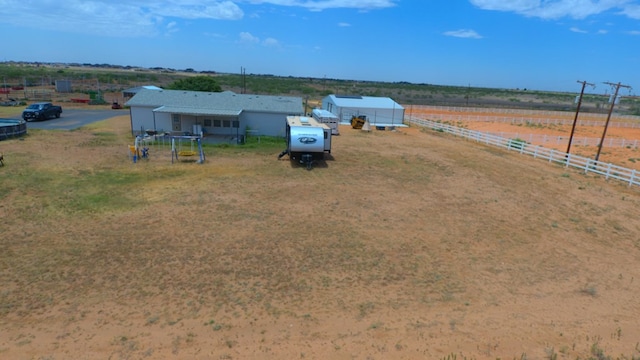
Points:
[195,149]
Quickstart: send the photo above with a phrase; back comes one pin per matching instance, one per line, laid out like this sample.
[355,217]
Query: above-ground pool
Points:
[12,128]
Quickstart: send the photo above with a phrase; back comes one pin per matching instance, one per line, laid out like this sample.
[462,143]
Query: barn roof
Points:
[217,103]
[134,90]
[357,101]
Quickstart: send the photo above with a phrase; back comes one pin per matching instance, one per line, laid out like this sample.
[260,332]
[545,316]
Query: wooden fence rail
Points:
[608,170]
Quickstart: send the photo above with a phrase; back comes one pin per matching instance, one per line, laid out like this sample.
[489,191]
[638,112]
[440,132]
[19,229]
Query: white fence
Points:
[521,117]
[564,140]
[608,170]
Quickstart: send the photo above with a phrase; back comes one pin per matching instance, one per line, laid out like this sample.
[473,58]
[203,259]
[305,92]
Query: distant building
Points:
[129,93]
[380,111]
[213,113]
[63,86]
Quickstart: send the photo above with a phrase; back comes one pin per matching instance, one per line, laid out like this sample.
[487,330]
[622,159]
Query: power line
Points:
[606,124]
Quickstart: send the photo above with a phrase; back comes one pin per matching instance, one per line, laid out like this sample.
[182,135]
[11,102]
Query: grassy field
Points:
[405,244]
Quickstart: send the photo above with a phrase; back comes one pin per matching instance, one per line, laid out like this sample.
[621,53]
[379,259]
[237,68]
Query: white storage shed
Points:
[380,111]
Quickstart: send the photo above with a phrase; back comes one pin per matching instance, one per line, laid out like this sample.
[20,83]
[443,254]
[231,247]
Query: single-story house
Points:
[211,113]
[380,111]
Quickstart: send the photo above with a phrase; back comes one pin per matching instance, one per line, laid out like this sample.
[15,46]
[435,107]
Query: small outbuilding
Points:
[327,117]
[131,92]
[379,111]
[211,113]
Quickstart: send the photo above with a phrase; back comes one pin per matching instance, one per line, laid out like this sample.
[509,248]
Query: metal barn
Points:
[380,111]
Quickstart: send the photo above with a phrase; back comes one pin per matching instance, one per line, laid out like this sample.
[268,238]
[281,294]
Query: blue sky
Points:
[533,44]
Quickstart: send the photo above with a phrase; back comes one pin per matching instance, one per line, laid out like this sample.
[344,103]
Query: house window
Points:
[236,124]
[207,122]
[216,123]
[226,123]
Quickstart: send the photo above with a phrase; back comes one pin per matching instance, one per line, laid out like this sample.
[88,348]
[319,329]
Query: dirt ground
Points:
[628,156]
[408,244]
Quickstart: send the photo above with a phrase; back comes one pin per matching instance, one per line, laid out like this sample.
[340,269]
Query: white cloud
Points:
[602,32]
[577,30]
[247,38]
[632,11]
[555,9]
[214,35]
[271,42]
[634,32]
[135,18]
[344,24]
[219,10]
[128,18]
[464,33]
[319,5]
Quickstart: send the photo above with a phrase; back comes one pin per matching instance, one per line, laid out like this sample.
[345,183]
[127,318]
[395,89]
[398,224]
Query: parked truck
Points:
[41,111]
[307,140]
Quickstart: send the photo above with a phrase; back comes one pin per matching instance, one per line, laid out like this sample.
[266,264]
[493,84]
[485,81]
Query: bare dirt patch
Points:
[408,244]
[627,156]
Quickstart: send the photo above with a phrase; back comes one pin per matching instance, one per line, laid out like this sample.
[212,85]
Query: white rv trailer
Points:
[307,140]
[329,118]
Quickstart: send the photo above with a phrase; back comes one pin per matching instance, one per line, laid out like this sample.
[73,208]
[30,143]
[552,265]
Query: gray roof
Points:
[217,103]
[195,111]
[370,102]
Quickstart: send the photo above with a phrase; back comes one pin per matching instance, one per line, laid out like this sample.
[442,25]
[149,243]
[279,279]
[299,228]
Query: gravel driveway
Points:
[75,118]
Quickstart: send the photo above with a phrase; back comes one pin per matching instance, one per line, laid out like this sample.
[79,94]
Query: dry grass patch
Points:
[407,244]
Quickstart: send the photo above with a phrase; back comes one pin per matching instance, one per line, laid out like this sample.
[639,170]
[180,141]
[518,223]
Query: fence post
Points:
[631,178]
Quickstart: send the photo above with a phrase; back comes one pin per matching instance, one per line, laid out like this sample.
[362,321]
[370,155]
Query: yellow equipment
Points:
[358,121]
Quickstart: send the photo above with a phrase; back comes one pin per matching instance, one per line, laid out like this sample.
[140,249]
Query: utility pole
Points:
[244,79]
[606,124]
[575,119]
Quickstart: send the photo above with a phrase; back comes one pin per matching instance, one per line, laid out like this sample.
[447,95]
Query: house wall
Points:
[142,119]
[268,124]
[221,125]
